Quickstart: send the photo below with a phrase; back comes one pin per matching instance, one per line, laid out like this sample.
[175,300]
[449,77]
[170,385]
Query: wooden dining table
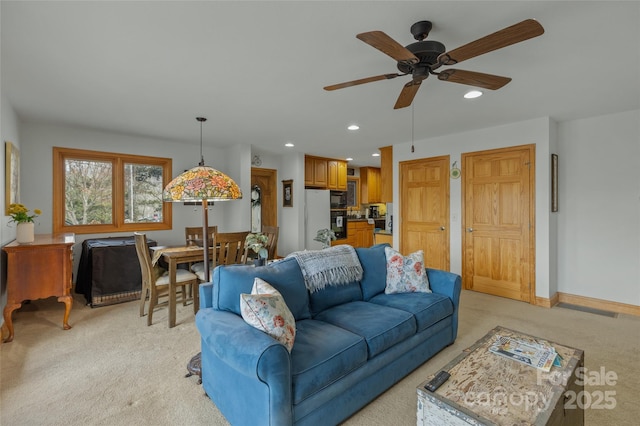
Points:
[174,256]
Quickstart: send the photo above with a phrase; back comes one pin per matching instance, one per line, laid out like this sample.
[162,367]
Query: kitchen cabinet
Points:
[359,234]
[381,238]
[370,185]
[386,174]
[337,175]
[325,173]
[315,172]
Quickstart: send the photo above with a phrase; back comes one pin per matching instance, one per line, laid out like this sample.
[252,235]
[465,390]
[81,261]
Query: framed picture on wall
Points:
[12,175]
[287,193]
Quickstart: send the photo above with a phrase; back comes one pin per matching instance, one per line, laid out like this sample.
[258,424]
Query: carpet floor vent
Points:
[589,310]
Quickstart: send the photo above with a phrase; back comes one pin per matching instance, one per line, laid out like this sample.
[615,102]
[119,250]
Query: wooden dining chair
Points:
[155,280]
[193,235]
[272,242]
[229,248]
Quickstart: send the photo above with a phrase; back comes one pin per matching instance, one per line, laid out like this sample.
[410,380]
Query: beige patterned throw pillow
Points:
[406,274]
[266,310]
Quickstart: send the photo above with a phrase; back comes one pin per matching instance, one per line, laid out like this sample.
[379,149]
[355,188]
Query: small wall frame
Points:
[12,175]
[287,193]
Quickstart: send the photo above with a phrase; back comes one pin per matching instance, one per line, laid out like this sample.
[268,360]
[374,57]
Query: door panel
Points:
[498,216]
[266,180]
[424,209]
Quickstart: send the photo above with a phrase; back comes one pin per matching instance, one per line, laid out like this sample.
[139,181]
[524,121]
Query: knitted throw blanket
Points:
[329,267]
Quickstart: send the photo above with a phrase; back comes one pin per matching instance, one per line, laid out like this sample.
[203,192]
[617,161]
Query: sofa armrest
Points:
[255,362]
[450,285]
[206,295]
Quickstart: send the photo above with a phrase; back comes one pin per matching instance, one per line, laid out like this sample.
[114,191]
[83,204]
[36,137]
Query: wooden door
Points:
[424,209]
[498,222]
[266,180]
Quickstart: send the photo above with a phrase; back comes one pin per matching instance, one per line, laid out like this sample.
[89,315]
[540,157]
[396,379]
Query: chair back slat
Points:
[272,242]
[193,235]
[230,247]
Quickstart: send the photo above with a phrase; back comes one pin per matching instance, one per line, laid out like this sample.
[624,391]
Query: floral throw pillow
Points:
[266,310]
[406,274]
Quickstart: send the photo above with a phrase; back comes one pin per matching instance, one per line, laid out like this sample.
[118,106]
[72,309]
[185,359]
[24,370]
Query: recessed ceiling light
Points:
[375,154]
[289,144]
[353,127]
[473,94]
[349,159]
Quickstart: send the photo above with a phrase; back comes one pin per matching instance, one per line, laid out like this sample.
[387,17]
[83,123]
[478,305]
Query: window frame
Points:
[118,161]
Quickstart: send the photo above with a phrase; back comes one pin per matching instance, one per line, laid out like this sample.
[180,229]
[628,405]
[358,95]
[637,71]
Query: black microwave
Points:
[338,199]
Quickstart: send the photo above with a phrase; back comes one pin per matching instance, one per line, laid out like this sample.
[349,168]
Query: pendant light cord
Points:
[412,125]
[201,120]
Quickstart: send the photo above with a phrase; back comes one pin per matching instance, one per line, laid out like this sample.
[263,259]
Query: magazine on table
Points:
[536,355]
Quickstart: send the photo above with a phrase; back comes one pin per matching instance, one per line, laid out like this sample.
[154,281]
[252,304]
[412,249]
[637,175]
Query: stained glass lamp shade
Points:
[203,184]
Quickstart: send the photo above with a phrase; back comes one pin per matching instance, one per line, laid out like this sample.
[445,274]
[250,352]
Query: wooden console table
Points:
[39,270]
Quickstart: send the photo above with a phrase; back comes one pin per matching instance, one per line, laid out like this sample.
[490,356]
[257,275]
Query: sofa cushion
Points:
[406,274]
[323,353]
[285,276]
[381,326]
[266,310]
[331,296]
[428,308]
[374,266]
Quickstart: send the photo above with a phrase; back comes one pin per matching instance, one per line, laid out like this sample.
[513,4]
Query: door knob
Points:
[442,228]
[469,229]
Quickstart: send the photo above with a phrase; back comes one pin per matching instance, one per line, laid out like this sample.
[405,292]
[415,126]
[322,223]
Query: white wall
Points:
[536,132]
[39,139]
[599,207]
[9,129]
[8,132]
[591,247]
[291,219]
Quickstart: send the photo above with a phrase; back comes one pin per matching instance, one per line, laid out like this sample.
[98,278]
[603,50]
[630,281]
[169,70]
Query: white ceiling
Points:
[256,69]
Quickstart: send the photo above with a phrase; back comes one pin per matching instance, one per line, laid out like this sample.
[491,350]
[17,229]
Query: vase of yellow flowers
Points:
[24,222]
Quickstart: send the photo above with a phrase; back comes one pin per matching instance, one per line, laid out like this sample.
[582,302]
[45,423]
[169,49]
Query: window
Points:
[96,192]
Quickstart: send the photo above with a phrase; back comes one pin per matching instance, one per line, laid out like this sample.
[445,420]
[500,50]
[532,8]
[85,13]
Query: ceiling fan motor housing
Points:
[420,30]
[426,51]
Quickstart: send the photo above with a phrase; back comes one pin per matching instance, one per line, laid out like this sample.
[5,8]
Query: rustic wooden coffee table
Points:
[488,389]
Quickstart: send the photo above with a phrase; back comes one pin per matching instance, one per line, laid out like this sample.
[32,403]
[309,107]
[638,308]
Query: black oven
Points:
[339,223]
[338,199]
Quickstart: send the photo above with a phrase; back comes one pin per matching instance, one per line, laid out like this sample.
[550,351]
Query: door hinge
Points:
[528,164]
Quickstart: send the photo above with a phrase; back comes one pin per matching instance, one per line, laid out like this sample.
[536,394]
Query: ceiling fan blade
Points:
[506,37]
[407,94]
[472,78]
[389,46]
[362,81]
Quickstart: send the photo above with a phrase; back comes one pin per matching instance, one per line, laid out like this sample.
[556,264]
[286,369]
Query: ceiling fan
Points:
[424,57]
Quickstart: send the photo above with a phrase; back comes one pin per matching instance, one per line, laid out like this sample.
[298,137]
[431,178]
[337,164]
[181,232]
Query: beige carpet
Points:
[111,369]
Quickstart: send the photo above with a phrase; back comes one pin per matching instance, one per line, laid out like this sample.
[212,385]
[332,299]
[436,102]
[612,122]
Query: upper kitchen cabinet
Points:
[386,174]
[325,173]
[315,172]
[370,185]
[337,170]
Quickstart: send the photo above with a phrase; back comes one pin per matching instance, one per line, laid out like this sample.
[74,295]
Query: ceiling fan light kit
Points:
[424,57]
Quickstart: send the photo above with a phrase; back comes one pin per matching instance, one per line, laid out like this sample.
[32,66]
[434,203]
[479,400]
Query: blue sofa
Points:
[352,342]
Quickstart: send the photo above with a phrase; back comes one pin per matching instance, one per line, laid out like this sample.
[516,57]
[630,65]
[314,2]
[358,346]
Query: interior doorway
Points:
[498,238]
[264,182]
[424,209]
